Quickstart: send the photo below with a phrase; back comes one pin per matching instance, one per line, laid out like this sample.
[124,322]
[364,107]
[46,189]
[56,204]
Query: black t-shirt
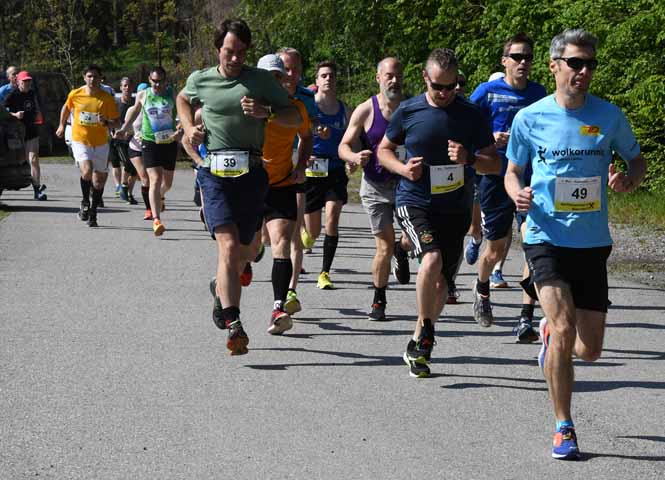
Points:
[18,101]
[424,131]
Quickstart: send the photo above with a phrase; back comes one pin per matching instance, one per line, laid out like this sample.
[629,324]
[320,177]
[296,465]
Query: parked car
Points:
[14,166]
[51,89]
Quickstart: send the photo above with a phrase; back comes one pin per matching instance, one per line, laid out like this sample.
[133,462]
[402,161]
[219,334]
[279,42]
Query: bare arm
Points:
[412,169]
[514,183]
[64,114]
[194,133]
[133,112]
[627,182]
[352,135]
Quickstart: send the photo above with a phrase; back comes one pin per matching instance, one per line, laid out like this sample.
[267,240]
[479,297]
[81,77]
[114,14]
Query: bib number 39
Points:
[229,164]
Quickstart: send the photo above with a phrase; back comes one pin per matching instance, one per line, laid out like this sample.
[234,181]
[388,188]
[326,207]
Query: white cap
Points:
[496,76]
[272,63]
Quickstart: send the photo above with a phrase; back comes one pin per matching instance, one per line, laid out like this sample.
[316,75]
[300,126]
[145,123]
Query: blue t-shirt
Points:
[570,152]
[306,96]
[5,90]
[328,147]
[425,130]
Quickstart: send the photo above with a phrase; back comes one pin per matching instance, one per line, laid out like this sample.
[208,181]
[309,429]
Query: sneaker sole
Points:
[159,230]
[292,307]
[237,346]
[572,455]
[420,361]
[532,338]
[283,325]
[499,285]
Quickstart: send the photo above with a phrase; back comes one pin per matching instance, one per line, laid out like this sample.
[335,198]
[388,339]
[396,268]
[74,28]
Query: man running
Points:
[377,188]
[569,138]
[94,112]
[326,182]
[158,137]
[120,147]
[236,101]
[22,105]
[12,73]
[281,210]
[500,100]
[442,134]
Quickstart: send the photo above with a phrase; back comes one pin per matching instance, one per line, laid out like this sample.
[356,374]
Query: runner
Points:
[377,188]
[569,138]
[281,211]
[94,112]
[326,177]
[22,105]
[158,137]
[442,134]
[293,71]
[232,179]
[135,154]
[500,100]
[119,154]
[12,73]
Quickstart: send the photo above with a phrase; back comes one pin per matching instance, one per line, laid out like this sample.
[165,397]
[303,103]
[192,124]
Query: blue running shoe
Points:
[564,446]
[497,281]
[471,251]
[545,337]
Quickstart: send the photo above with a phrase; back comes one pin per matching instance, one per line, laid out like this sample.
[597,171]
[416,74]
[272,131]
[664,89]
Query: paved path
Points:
[111,368]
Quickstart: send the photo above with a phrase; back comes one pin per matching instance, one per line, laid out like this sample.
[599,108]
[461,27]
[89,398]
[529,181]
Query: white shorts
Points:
[32,146]
[99,156]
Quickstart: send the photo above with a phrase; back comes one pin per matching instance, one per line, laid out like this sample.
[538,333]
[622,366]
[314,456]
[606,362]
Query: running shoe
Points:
[307,251]
[237,341]
[217,308]
[400,264]
[147,215]
[524,331]
[497,280]
[482,308]
[131,200]
[118,189]
[453,294]
[292,304]
[259,255]
[564,446]
[84,211]
[307,240]
[39,193]
[92,220]
[124,193]
[418,353]
[246,275]
[280,322]
[545,337]
[158,227]
[324,282]
[471,251]
[378,313]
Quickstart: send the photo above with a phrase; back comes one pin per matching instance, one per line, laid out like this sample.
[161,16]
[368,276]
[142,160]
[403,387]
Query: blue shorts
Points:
[497,224]
[520,218]
[236,201]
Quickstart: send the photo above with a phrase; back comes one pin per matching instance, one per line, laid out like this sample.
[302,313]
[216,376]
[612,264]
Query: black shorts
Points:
[281,203]
[134,153]
[238,201]
[119,156]
[320,190]
[430,231]
[583,269]
[160,155]
[497,224]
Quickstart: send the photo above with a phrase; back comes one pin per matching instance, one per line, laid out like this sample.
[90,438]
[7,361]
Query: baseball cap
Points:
[142,86]
[496,76]
[23,75]
[272,63]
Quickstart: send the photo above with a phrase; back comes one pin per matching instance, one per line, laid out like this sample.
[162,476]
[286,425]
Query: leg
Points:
[155,174]
[490,256]
[385,243]
[296,242]
[590,334]
[313,224]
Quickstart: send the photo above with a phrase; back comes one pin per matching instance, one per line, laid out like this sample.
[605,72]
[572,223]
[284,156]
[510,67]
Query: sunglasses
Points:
[578,64]
[441,86]
[518,57]
[157,80]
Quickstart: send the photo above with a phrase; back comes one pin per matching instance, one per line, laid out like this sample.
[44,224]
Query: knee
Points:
[589,354]
[563,336]
[281,248]
[431,263]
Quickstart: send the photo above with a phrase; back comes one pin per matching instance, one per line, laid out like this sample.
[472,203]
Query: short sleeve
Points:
[519,148]
[395,130]
[276,95]
[479,97]
[69,103]
[624,142]
[110,109]
[482,136]
[191,90]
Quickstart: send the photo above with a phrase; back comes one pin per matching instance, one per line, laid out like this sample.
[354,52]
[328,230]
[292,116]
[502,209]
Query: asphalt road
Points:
[111,368]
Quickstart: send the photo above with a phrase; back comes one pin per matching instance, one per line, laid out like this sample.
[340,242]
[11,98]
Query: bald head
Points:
[389,77]
[389,62]
[12,72]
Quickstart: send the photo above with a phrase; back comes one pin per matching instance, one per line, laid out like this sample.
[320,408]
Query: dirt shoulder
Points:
[638,254]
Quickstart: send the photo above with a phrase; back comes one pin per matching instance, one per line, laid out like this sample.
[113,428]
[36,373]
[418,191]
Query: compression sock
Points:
[527,311]
[282,269]
[86,185]
[483,287]
[329,249]
[146,198]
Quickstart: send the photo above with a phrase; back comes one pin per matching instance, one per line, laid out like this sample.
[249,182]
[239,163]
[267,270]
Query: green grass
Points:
[637,208]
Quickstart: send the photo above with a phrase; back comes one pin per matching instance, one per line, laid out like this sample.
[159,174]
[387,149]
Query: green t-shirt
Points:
[227,127]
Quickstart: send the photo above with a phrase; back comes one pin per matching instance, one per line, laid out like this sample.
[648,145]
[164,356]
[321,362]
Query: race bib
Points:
[400,151]
[88,118]
[229,163]
[446,178]
[165,136]
[580,195]
[318,168]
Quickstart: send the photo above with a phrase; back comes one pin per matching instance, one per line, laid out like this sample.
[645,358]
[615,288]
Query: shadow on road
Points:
[647,458]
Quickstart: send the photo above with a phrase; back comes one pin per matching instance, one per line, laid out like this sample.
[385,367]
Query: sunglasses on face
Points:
[441,86]
[578,64]
[518,57]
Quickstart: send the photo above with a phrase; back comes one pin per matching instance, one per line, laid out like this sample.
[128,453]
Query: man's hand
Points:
[501,138]
[523,200]
[619,181]
[412,169]
[252,108]
[60,131]
[361,158]
[196,134]
[457,153]
[19,115]
[298,174]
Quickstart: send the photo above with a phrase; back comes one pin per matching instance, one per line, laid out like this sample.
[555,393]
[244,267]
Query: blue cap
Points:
[142,86]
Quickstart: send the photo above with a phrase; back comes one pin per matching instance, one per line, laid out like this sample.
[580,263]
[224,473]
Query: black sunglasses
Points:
[157,80]
[518,57]
[441,86]
[577,63]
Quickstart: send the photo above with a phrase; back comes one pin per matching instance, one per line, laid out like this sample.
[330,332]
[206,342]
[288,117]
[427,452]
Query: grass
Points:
[640,208]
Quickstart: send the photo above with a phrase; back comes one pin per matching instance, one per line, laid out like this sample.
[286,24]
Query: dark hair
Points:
[326,63]
[444,58]
[519,38]
[238,27]
[92,68]
[159,70]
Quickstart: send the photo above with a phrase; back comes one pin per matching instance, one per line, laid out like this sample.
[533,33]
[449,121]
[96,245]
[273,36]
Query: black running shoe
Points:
[418,353]
[237,341]
[84,211]
[378,313]
[524,332]
[217,306]
[92,220]
[400,269]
